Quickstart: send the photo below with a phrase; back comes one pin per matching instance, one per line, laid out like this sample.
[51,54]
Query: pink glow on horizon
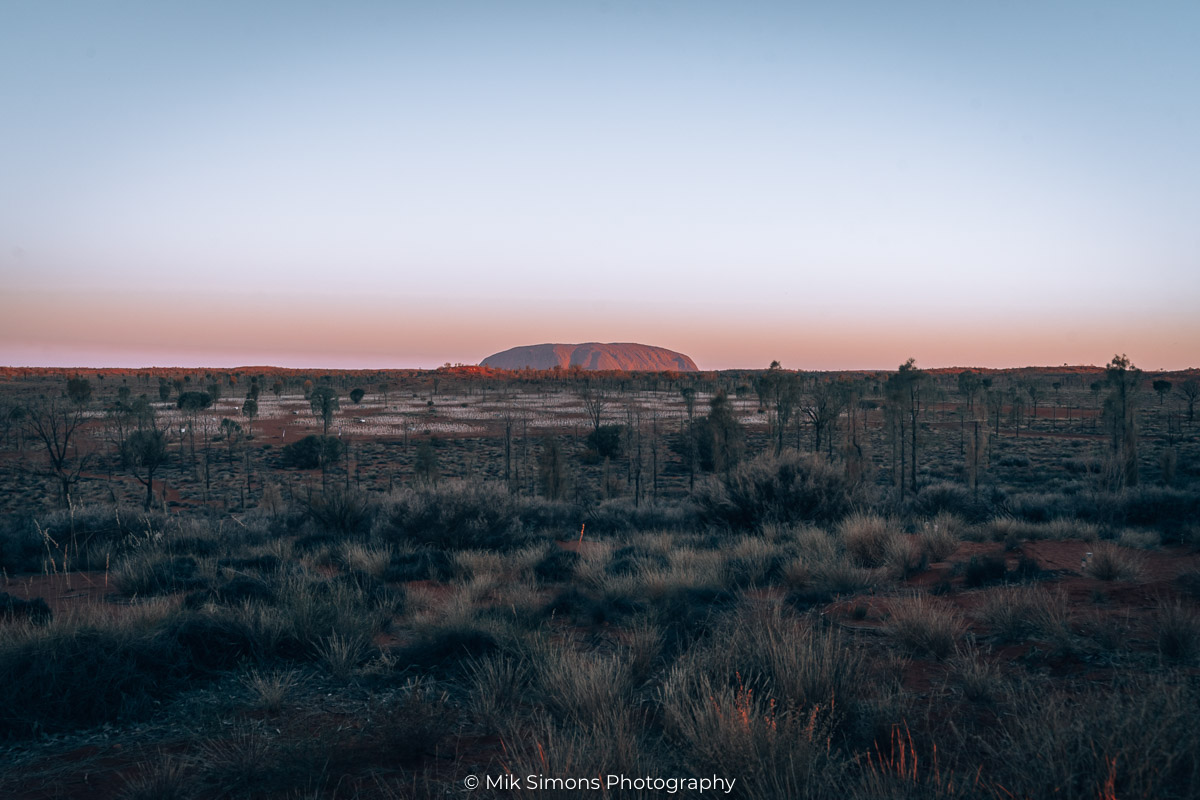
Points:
[144,330]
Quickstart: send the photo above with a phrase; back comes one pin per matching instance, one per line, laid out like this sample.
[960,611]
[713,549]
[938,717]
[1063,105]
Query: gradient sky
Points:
[399,184]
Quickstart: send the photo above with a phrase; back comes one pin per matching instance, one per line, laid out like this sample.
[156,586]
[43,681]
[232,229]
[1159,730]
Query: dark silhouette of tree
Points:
[968,386]
[191,404]
[249,411]
[164,390]
[1034,390]
[822,406]
[688,394]
[1122,378]
[1162,388]
[718,437]
[143,453]
[853,454]
[605,442]
[903,392]
[595,402]
[1095,388]
[311,452]
[426,465]
[1016,408]
[11,418]
[231,430]
[383,390]
[324,404]
[779,392]
[79,391]
[56,424]
[277,389]
[356,395]
[552,470]
[1190,389]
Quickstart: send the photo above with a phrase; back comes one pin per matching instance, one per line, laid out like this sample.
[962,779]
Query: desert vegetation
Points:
[277,584]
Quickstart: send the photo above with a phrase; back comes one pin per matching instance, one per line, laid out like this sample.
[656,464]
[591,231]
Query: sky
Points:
[834,185]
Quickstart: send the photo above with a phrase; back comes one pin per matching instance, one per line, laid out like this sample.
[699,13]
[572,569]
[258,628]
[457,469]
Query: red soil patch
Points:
[63,591]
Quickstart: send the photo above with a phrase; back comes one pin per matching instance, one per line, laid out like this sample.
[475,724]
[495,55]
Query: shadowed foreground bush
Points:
[787,489]
[460,515]
[75,678]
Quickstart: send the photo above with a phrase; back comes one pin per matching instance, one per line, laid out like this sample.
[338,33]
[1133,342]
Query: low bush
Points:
[311,451]
[786,489]
[445,648]
[556,565]
[148,574]
[1178,632]
[70,678]
[956,499]
[342,511]
[422,564]
[212,641]
[634,560]
[17,608]
[982,570]
[457,515]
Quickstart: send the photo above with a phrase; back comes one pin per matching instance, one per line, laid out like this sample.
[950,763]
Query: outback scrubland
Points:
[276,584]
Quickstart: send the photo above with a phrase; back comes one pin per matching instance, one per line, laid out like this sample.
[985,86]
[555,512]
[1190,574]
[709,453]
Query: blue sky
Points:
[403,184]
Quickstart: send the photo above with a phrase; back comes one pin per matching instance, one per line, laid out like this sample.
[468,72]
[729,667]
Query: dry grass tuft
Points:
[1112,563]
[940,536]
[867,538]
[925,627]
[270,689]
[1178,632]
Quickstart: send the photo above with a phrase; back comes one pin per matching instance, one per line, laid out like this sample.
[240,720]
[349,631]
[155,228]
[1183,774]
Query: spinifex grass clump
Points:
[868,538]
[925,627]
[1110,562]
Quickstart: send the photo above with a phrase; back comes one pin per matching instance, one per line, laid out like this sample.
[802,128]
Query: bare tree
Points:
[904,399]
[779,392]
[594,405]
[56,423]
[1190,390]
[822,407]
[249,411]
